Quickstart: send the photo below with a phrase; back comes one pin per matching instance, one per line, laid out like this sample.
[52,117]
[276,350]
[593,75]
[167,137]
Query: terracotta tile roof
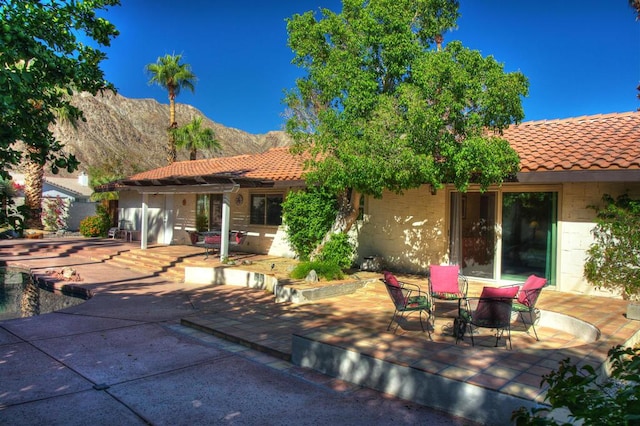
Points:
[276,164]
[597,142]
[605,142]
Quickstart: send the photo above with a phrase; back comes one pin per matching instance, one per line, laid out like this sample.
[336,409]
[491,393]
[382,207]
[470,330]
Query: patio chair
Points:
[446,285]
[213,240]
[526,298]
[210,242]
[113,233]
[491,310]
[406,298]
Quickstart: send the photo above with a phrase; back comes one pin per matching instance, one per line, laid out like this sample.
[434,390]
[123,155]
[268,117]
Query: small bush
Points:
[338,251]
[91,226]
[580,390]
[97,225]
[327,271]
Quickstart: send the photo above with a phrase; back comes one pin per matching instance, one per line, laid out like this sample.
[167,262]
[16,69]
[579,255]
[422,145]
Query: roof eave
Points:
[580,176]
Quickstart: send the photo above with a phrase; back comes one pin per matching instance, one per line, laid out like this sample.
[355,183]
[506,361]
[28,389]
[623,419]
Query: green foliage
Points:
[97,225]
[613,260]
[202,223]
[43,64]
[380,108]
[326,271]
[173,76]
[614,402]
[102,175]
[308,215]
[193,136]
[11,217]
[338,251]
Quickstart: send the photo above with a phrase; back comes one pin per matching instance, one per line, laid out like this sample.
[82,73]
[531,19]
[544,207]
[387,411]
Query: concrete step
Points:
[142,261]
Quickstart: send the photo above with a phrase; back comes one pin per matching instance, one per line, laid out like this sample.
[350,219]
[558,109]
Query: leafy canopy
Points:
[168,73]
[40,54]
[192,136]
[382,109]
[613,260]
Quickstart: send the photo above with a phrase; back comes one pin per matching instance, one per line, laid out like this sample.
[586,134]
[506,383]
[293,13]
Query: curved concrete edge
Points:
[572,325]
[462,399]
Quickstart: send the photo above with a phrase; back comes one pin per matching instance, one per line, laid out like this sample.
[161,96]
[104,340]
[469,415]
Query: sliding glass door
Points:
[504,235]
[529,235]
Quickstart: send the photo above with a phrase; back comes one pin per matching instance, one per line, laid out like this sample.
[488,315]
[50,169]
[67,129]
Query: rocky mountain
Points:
[125,136]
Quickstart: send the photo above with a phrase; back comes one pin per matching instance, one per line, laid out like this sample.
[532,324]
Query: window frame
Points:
[268,214]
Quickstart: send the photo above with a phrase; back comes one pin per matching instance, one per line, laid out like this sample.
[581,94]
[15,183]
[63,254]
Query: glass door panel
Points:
[477,219]
[529,235]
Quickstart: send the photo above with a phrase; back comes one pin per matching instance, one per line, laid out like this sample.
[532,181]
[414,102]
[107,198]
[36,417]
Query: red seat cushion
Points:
[506,292]
[444,278]
[390,279]
[531,284]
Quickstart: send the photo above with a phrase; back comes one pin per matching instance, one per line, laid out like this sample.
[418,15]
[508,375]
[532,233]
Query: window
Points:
[208,211]
[266,209]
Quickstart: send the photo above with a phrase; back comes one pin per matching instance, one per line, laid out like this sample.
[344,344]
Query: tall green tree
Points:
[172,76]
[42,63]
[381,107]
[193,136]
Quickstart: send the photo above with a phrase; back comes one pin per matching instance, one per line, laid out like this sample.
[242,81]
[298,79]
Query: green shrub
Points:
[97,225]
[613,261]
[308,215]
[338,251]
[326,271]
[615,401]
[91,226]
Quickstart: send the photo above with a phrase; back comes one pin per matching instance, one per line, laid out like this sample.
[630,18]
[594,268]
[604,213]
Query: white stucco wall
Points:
[78,210]
[184,208]
[130,213]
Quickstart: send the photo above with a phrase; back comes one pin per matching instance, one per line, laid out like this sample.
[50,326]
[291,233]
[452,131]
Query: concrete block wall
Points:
[575,224]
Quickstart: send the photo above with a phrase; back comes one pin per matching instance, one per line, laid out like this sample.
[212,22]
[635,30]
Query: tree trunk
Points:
[348,211]
[34,174]
[171,145]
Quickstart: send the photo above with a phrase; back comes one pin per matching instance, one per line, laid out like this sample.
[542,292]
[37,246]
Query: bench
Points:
[212,240]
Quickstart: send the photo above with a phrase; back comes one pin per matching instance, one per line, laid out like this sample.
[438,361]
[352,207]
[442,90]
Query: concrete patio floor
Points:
[340,342]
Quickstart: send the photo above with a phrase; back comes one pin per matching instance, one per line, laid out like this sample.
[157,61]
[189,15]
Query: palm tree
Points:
[173,76]
[34,165]
[193,137]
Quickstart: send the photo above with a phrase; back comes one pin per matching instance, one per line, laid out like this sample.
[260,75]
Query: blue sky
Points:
[581,57]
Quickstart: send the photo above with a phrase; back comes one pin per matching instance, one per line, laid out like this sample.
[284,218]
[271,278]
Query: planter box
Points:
[633,311]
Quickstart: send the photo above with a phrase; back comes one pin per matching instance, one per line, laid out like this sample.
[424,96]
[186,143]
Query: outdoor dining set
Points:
[494,309]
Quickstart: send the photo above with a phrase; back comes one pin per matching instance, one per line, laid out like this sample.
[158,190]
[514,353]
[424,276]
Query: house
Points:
[74,189]
[541,223]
